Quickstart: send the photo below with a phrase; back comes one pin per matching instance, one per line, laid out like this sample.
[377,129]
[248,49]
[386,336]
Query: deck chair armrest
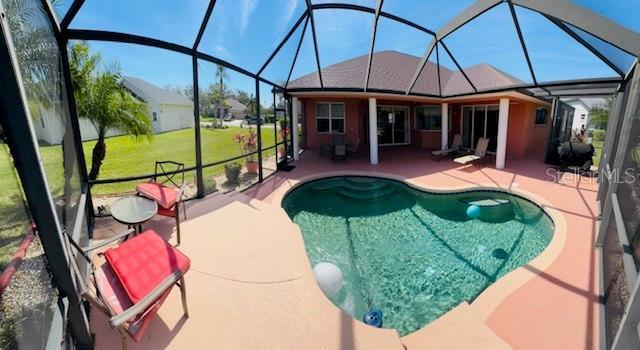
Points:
[181,192]
[142,305]
[109,240]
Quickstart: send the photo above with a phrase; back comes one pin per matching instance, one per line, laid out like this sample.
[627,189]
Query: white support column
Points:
[445,126]
[295,108]
[503,125]
[373,131]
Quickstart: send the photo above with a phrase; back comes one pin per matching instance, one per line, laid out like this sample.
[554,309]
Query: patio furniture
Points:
[329,148]
[337,139]
[325,149]
[168,193]
[456,147]
[130,281]
[353,149]
[133,211]
[339,151]
[480,153]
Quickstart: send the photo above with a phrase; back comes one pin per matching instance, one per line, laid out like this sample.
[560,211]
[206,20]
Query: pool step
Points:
[361,180]
[365,186]
[365,195]
[350,185]
[486,203]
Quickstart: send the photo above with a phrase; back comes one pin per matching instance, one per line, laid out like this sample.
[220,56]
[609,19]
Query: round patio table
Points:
[133,211]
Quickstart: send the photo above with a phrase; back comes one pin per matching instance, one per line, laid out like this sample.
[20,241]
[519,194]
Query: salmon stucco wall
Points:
[524,137]
[354,122]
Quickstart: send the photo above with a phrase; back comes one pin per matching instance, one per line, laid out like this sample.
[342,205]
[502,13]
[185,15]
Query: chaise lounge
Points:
[480,154]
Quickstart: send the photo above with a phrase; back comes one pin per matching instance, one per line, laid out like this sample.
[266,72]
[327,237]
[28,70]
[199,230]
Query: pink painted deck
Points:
[234,276]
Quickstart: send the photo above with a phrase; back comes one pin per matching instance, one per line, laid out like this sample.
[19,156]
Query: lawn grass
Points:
[13,215]
[597,145]
[126,156]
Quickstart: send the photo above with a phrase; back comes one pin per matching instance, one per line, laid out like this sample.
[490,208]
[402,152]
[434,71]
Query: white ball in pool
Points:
[329,278]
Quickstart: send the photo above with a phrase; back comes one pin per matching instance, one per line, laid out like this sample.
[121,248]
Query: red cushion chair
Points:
[144,262]
[166,190]
[133,282]
[165,196]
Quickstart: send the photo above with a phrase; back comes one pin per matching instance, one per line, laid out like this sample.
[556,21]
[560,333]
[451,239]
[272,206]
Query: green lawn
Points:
[126,156]
[13,215]
[597,145]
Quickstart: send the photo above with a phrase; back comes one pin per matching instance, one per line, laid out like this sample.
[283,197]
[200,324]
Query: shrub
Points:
[210,184]
[232,172]
[599,134]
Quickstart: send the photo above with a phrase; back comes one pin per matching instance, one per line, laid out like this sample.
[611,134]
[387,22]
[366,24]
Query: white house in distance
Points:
[168,111]
[582,108]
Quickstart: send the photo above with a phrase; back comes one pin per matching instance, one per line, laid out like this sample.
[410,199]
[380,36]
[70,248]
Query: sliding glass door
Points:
[477,122]
[393,125]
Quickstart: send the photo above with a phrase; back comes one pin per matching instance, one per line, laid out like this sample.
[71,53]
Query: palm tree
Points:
[37,53]
[222,76]
[251,105]
[101,99]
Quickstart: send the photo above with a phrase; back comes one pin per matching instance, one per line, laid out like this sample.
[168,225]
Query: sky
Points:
[245,32]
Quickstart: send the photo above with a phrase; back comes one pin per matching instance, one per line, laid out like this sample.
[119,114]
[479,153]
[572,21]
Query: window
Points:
[330,118]
[429,118]
[155,116]
[541,116]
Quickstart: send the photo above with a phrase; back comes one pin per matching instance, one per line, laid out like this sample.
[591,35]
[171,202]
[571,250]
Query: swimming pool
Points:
[414,255]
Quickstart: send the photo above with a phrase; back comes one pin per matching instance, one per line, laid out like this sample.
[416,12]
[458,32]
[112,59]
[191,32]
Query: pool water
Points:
[414,255]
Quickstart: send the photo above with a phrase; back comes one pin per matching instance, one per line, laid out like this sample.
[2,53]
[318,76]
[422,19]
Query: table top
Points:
[133,210]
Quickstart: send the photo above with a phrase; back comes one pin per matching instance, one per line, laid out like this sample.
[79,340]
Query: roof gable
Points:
[149,92]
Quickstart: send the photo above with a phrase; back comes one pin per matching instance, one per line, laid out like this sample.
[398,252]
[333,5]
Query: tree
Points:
[251,105]
[37,53]
[221,76]
[599,115]
[104,102]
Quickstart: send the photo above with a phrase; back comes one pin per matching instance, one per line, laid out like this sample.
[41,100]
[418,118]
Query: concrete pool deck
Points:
[251,285]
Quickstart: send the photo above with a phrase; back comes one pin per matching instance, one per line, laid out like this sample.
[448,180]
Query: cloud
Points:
[289,10]
[247,7]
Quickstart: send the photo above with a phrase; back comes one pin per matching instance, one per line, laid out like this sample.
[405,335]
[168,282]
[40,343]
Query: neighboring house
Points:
[416,120]
[235,108]
[167,110]
[582,108]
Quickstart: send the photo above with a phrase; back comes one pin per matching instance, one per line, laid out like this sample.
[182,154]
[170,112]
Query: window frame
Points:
[535,118]
[331,117]
[415,118]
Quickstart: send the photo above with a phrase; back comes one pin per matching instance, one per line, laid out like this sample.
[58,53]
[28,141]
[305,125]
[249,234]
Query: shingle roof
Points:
[235,105]
[146,90]
[391,70]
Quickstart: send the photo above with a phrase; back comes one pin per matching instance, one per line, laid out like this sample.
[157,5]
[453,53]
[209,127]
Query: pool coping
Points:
[488,301]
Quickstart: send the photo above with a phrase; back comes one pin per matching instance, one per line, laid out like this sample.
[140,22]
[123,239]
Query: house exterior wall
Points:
[49,128]
[580,115]
[524,137]
[172,117]
[355,119]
